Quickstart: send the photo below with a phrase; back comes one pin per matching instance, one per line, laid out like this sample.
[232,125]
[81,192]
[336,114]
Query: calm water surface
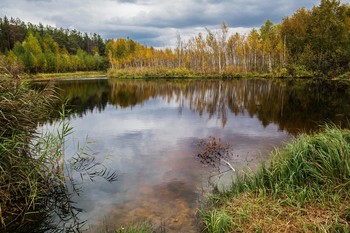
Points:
[148,132]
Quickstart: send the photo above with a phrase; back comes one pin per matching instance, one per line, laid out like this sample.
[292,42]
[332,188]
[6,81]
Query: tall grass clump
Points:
[304,188]
[307,167]
[23,178]
[36,180]
[21,108]
[216,221]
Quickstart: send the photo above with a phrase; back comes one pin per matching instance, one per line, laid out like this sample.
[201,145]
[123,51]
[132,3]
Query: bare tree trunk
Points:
[244,59]
[255,59]
[219,61]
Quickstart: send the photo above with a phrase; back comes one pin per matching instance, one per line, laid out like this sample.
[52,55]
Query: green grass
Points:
[305,188]
[216,221]
[138,228]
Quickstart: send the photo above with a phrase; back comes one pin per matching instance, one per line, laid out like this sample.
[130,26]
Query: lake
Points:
[148,132]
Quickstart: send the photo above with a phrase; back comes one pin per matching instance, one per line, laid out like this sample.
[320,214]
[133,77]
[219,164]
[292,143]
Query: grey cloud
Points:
[131,1]
[150,21]
[135,33]
[207,13]
[39,0]
[149,36]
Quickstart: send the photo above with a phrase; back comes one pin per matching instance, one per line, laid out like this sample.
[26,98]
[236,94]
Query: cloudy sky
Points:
[151,22]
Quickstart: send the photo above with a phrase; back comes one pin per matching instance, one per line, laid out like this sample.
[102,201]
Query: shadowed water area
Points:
[148,132]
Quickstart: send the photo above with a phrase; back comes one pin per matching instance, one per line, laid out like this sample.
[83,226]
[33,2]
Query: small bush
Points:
[299,71]
[344,76]
[178,73]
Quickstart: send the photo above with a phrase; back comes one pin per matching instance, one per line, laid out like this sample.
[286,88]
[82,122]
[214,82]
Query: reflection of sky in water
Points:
[152,147]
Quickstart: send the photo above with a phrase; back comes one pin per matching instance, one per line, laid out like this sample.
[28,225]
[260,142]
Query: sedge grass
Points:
[216,221]
[30,172]
[21,180]
[33,170]
[305,188]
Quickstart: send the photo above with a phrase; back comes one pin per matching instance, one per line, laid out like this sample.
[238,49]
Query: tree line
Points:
[310,42]
[48,49]
[260,51]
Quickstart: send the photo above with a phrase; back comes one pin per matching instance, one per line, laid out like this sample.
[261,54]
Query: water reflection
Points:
[293,105]
[150,129]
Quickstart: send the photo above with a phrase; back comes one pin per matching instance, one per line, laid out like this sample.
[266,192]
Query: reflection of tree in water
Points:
[83,95]
[293,105]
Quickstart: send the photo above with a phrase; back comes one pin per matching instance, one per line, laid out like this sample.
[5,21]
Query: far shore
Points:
[169,74]
[78,74]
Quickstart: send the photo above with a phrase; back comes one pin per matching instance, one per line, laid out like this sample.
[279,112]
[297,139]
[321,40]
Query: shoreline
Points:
[176,74]
[54,76]
[225,75]
[309,173]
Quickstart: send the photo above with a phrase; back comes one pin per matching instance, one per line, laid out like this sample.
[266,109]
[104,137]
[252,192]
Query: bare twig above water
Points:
[228,164]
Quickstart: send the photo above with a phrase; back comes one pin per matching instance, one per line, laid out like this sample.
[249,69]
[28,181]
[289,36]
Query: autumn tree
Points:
[318,39]
[255,46]
[10,65]
[329,36]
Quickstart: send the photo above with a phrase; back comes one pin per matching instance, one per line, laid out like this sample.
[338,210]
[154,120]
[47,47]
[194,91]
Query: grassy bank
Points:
[151,73]
[177,73]
[183,73]
[85,74]
[305,188]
